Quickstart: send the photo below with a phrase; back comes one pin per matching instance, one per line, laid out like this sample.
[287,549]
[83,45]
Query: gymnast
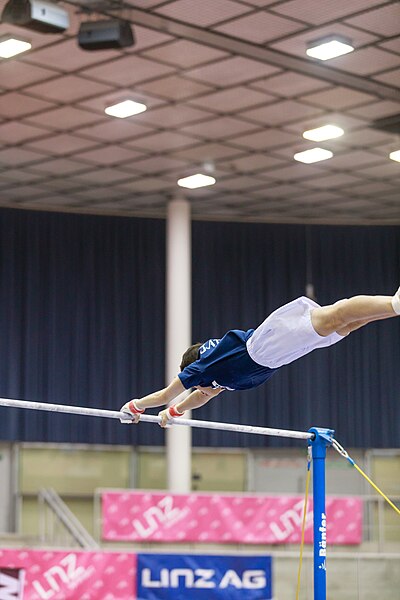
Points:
[241,360]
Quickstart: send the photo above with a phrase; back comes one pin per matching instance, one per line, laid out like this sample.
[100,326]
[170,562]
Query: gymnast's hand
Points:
[131,408]
[167,415]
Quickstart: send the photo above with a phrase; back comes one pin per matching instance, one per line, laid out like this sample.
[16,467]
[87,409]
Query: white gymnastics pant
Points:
[287,334]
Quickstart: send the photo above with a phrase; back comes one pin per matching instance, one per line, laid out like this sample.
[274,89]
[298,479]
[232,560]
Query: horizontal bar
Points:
[113,414]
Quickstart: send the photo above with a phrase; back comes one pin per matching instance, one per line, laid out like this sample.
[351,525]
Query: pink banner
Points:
[158,517]
[11,583]
[73,575]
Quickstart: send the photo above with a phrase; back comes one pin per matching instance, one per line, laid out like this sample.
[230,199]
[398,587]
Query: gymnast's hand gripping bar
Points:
[113,414]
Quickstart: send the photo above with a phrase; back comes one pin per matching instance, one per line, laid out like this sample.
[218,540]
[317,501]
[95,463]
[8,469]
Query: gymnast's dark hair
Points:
[190,355]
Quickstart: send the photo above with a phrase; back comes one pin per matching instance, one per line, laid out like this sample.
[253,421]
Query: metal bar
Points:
[113,414]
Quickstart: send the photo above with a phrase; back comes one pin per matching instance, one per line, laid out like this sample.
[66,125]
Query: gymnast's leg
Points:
[347,315]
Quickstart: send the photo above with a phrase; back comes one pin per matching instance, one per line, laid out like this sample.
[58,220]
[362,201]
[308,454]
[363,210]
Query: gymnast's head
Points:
[190,356]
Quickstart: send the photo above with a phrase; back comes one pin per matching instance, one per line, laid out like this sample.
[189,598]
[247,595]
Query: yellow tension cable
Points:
[303,526]
[343,452]
[376,487]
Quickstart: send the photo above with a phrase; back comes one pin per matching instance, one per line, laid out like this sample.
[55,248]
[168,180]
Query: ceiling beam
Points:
[239,47]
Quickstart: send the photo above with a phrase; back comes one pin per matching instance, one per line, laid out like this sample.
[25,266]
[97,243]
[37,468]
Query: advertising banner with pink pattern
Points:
[72,575]
[160,517]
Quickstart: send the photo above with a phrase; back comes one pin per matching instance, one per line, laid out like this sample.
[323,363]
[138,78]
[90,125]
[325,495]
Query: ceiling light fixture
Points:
[395,155]
[11,46]
[326,132]
[327,48]
[313,155]
[124,109]
[45,17]
[196,181]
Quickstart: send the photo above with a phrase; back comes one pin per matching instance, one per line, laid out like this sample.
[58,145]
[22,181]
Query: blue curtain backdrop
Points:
[81,321]
[82,309]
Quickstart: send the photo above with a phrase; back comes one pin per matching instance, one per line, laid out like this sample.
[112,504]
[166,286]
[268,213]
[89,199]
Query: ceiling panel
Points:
[218,128]
[164,141]
[16,156]
[381,21]
[260,27]
[390,77]
[59,166]
[323,11]
[338,98]
[109,155]
[268,138]
[281,113]
[252,162]
[62,143]
[393,45]
[127,70]
[68,88]
[202,14]
[231,100]
[366,61]
[16,133]
[347,161]
[295,172]
[102,176]
[289,84]
[14,105]
[207,152]
[376,110]
[63,118]
[16,74]
[231,71]
[168,116]
[337,180]
[175,87]
[12,176]
[159,163]
[109,130]
[184,54]
[229,91]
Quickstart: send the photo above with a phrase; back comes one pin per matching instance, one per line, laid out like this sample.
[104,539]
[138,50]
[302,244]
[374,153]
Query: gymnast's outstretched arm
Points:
[197,398]
[159,398]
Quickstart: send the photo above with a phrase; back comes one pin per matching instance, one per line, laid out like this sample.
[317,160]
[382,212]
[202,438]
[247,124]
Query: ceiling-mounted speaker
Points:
[390,124]
[36,15]
[102,35]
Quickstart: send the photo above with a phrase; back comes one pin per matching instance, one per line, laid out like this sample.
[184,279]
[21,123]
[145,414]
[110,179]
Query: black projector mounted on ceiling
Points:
[36,15]
[102,35]
[389,124]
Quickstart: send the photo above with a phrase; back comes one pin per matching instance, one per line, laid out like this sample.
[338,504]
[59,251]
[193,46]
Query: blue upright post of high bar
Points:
[322,439]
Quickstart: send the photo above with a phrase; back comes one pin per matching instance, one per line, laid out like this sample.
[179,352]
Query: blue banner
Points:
[179,577]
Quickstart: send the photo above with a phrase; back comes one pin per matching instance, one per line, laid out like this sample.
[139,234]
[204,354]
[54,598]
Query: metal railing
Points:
[58,525]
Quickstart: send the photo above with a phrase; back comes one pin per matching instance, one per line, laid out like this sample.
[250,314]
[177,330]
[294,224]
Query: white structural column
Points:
[178,334]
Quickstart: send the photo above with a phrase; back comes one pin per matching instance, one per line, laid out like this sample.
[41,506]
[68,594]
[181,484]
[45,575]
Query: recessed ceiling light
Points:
[11,47]
[125,109]
[395,155]
[313,155]
[327,48]
[327,132]
[196,181]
